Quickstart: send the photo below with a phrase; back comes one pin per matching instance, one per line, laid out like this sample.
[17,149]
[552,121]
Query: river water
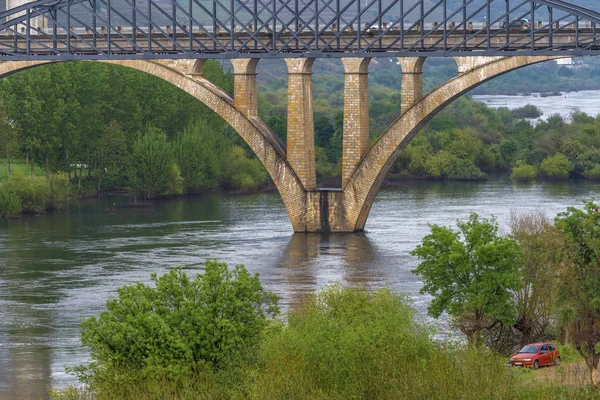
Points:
[587,101]
[56,269]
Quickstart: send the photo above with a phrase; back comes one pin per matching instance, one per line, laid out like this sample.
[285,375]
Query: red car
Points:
[536,355]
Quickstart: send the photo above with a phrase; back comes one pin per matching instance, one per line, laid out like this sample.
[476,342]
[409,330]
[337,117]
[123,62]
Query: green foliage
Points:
[242,172]
[593,174]
[150,164]
[529,111]
[580,289]
[557,166]
[60,191]
[199,152]
[180,327]
[470,274]
[10,203]
[523,172]
[32,190]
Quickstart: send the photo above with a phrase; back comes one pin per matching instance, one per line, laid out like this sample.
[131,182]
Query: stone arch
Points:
[186,75]
[369,174]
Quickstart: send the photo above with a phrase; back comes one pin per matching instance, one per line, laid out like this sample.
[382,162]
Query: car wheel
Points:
[536,364]
[557,361]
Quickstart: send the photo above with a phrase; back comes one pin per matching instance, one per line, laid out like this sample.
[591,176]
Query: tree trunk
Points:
[8,160]
[46,162]
[68,165]
[32,166]
[79,181]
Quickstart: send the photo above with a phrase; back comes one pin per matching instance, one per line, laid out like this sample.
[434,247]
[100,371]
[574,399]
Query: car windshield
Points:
[529,349]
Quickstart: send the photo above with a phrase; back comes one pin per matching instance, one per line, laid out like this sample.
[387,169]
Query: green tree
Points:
[580,289]
[523,172]
[150,164]
[199,153]
[472,274]
[179,327]
[557,166]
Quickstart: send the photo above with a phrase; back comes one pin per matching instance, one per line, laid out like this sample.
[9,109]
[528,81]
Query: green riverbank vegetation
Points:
[220,335]
[110,128]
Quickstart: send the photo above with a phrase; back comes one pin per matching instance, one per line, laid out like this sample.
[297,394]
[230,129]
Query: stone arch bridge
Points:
[487,38]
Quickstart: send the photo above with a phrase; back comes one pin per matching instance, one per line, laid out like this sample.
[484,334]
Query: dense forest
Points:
[111,128]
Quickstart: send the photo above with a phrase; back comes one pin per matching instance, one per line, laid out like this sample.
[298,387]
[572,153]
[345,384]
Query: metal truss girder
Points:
[154,29]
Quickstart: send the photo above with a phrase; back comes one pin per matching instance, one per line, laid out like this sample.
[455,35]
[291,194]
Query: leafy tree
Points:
[543,260]
[199,153]
[471,274]
[580,289]
[151,164]
[558,166]
[523,172]
[179,327]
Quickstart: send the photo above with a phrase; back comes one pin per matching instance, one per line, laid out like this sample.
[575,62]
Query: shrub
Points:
[528,111]
[59,190]
[462,169]
[353,344]
[242,172]
[557,166]
[180,327]
[593,174]
[10,203]
[150,166]
[523,172]
[198,155]
[32,190]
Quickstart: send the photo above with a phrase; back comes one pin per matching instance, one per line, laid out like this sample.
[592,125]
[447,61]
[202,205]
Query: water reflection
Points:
[312,259]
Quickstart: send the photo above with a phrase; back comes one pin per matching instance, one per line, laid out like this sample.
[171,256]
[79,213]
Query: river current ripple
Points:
[56,269]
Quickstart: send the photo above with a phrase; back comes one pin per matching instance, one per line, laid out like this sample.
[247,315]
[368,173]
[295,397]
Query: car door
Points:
[553,353]
[545,356]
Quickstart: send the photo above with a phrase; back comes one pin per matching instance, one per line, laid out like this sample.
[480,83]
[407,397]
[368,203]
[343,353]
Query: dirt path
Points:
[572,374]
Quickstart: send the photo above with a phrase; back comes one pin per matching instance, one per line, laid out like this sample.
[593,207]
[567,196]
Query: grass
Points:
[17,165]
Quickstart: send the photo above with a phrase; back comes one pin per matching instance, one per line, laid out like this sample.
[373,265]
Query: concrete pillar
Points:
[244,85]
[412,81]
[356,114]
[300,121]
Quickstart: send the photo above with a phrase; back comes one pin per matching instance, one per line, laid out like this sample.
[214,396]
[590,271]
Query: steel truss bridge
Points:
[159,29]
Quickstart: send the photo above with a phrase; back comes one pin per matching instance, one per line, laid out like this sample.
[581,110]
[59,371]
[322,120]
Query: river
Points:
[58,268]
[587,101]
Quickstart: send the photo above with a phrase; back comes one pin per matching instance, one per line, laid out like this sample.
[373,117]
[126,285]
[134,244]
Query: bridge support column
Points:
[244,85]
[300,121]
[356,114]
[412,81]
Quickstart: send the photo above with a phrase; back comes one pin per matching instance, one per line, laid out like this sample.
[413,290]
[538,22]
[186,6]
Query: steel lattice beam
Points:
[153,29]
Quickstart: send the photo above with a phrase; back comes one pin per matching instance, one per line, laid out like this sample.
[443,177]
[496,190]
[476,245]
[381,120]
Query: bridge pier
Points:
[355,142]
[244,85]
[300,121]
[412,81]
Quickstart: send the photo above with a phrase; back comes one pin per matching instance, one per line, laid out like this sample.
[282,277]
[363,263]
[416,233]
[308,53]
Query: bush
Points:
[463,169]
[59,191]
[198,153]
[557,166]
[354,344]
[10,203]
[150,166]
[179,328]
[523,172]
[593,174]
[242,172]
[529,111]
[32,190]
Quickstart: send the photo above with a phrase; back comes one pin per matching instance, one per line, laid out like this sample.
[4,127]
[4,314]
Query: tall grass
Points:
[346,344]
[33,194]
